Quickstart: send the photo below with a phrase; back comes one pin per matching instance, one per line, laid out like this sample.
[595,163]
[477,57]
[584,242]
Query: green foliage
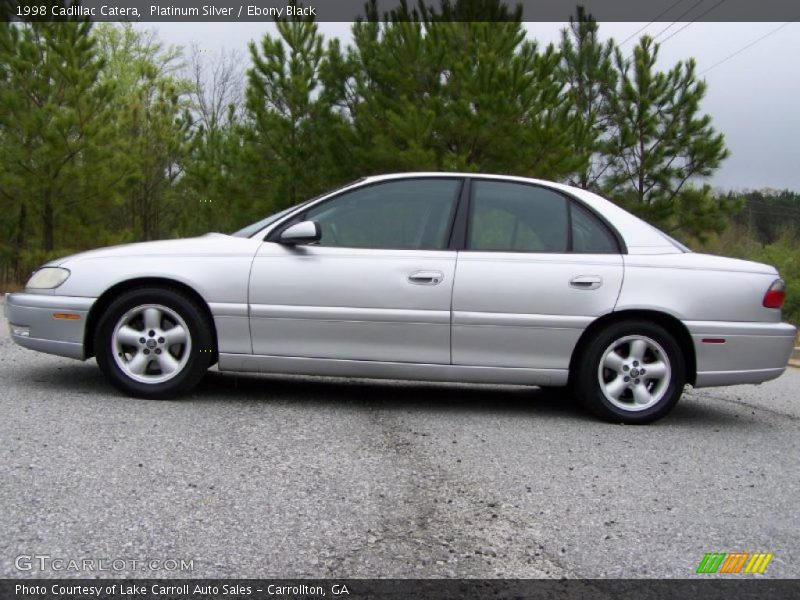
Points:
[151,128]
[693,213]
[290,151]
[54,124]
[768,214]
[588,70]
[429,94]
[661,141]
[211,190]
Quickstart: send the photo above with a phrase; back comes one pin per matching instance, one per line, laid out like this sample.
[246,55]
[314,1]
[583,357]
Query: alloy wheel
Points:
[634,373]
[151,343]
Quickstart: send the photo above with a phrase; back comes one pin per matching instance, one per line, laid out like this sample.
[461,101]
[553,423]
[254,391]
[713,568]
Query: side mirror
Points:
[304,232]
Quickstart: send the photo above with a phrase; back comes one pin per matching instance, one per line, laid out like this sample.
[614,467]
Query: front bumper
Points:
[33,322]
[730,353]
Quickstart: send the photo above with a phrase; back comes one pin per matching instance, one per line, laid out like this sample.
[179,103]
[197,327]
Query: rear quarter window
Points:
[589,234]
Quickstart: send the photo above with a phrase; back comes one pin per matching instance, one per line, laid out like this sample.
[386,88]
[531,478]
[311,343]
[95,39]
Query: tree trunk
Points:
[19,242]
[47,222]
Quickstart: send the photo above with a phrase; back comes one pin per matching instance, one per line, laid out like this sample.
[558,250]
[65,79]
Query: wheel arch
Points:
[107,297]
[667,321]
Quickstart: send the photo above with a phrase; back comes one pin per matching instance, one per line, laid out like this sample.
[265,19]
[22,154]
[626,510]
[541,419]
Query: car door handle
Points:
[426,277]
[586,282]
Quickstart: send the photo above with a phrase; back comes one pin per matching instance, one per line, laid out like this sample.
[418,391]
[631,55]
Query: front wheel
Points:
[154,343]
[631,372]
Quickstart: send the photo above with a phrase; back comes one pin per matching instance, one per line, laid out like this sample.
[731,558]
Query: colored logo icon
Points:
[734,562]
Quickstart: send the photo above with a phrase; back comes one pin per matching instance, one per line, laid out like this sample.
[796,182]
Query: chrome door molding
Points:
[489,319]
[344,313]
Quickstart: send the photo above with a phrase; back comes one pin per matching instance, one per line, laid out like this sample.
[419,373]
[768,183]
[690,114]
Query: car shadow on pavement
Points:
[386,394]
[524,401]
[529,402]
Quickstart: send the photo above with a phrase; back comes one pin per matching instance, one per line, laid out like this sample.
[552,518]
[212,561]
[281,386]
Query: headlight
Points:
[47,278]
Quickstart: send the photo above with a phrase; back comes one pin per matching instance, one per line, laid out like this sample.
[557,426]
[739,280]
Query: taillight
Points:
[775,295]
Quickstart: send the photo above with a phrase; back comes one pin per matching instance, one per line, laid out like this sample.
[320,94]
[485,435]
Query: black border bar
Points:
[705,587]
[349,10]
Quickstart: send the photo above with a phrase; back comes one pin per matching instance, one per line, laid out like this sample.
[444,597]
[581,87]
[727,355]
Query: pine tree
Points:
[662,142]
[290,152]
[587,68]
[431,93]
[151,128]
[53,125]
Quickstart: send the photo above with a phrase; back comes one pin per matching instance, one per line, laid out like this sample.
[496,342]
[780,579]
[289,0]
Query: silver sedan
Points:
[430,276]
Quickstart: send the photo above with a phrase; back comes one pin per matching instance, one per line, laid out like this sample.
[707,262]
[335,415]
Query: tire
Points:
[643,352]
[154,343]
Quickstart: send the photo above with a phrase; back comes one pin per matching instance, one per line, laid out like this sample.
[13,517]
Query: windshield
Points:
[251,230]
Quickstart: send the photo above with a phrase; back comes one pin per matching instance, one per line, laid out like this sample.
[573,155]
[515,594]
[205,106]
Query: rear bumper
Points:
[33,324]
[730,353]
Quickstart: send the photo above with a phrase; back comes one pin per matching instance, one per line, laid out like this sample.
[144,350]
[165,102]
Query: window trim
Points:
[458,239]
[462,236]
[277,230]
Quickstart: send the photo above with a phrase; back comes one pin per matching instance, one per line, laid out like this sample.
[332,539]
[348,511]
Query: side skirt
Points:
[390,370]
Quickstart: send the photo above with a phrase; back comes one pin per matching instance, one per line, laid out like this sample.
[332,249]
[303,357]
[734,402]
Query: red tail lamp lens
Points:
[775,295]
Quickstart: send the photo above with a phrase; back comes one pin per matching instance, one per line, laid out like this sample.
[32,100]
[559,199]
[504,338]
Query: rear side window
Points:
[589,234]
[516,218]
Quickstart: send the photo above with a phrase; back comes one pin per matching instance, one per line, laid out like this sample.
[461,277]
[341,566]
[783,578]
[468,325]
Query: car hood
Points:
[210,244]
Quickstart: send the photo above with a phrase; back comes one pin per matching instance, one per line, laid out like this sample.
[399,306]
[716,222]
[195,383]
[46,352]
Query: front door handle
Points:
[426,277]
[586,282]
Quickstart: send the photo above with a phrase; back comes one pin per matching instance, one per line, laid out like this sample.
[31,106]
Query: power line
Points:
[658,16]
[697,18]
[750,45]
[683,14]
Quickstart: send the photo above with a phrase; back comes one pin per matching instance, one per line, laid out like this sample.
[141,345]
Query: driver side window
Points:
[409,214]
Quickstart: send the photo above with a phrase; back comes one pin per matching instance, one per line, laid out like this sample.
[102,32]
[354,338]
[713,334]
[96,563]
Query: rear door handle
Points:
[426,277]
[586,282]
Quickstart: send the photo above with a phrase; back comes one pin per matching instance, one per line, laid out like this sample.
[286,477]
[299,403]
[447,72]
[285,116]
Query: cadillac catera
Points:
[428,276]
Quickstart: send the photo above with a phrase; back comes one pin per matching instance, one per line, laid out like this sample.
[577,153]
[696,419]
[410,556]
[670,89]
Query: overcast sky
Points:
[753,98]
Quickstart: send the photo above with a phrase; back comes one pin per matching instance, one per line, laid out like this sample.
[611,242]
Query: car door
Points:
[536,269]
[377,286]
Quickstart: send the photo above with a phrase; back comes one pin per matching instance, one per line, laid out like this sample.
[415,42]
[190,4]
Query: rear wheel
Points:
[631,372]
[154,343]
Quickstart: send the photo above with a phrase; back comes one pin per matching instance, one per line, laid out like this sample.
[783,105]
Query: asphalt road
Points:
[304,477]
